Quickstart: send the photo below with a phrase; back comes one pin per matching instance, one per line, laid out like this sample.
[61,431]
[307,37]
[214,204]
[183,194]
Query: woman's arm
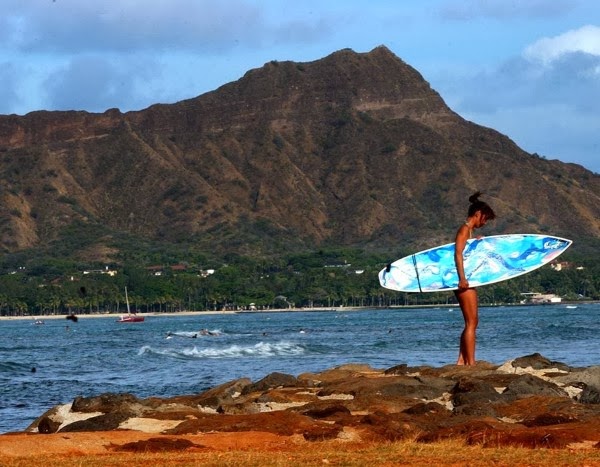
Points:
[461,241]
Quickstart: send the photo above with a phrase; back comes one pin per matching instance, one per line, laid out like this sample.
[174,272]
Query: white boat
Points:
[130,317]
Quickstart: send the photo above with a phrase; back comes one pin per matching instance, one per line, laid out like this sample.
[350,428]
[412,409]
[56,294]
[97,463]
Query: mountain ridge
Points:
[354,149]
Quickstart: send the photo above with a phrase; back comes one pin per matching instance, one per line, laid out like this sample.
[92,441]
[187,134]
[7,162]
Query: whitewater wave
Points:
[195,334]
[262,349]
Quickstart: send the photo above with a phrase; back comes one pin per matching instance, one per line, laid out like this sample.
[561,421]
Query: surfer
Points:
[478,214]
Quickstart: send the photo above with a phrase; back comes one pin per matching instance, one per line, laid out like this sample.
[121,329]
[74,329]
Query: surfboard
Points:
[486,261]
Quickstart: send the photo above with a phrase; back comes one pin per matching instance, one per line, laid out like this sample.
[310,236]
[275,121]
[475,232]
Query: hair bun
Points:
[474,197]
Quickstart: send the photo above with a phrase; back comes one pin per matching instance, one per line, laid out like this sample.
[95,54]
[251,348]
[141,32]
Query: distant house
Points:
[159,270]
[539,298]
[339,265]
[560,265]
[155,270]
[110,272]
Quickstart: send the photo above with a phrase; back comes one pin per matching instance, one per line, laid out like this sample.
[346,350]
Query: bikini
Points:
[470,229]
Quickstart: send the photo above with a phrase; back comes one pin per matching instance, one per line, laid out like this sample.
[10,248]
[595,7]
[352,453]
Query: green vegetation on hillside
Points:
[179,279]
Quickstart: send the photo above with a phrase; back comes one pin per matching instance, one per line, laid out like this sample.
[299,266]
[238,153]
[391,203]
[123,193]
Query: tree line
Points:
[340,278]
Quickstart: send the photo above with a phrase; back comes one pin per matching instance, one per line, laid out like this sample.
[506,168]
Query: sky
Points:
[527,68]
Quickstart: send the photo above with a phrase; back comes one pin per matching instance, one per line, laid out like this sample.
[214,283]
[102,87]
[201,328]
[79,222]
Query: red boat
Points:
[129,318]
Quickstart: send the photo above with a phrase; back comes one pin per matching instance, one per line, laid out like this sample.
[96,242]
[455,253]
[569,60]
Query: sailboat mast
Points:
[127,301]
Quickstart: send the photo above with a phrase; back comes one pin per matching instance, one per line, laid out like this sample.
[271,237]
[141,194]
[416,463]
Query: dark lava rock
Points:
[474,397]
[590,395]
[538,362]
[329,411]
[271,381]
[397,370]
[469,391]
[547,419]
[46,425]
[219,395]
[105,403]
[106,422]
[526,385]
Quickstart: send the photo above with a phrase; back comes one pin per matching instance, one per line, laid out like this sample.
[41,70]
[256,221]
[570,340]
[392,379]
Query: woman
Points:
[479,213]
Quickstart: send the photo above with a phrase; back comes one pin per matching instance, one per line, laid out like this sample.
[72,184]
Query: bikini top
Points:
[470,229]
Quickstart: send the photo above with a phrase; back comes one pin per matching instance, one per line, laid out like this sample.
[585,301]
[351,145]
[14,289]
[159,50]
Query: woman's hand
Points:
[463,284]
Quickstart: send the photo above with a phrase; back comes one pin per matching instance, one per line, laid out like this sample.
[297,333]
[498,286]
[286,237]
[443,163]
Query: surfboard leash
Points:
[417,272]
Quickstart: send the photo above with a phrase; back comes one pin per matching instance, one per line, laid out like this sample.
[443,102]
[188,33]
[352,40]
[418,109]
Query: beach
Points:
[116,316]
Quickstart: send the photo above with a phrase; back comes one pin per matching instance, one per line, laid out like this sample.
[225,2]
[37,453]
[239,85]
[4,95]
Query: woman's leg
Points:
[467,299]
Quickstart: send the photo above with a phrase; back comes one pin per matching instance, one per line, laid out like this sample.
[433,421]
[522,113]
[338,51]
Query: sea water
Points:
[52,363]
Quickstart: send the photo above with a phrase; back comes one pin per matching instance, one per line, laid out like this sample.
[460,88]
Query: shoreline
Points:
[110,315]
[281,310]
[178,313]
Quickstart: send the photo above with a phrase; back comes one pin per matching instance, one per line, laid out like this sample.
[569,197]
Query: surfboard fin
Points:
[388,267]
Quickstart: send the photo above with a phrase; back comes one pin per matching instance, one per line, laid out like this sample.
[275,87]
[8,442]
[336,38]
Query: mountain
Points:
[354,149]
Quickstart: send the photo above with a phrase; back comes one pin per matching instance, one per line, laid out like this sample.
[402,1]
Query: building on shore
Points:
[539,298]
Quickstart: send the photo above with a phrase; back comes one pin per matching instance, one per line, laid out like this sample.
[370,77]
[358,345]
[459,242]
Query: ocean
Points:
[52,363]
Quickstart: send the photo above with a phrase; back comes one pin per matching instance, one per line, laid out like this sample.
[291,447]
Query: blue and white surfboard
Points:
[486,261]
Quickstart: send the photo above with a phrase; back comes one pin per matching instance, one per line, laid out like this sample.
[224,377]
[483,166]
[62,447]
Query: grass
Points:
[452,452]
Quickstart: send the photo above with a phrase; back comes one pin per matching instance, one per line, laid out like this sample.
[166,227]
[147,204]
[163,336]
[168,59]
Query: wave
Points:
[195,334]
[261,349]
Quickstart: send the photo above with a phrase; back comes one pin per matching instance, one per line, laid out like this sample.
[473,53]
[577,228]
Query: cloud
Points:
[466,10]
[585,39]
[184,41]
[95,83]
[73,26]
[545,99]
[572,79]
[560,70]
[206,26]
[8,91]
[552,130]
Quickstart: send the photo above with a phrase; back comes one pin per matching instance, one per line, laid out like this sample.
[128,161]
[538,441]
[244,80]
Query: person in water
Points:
[478,214]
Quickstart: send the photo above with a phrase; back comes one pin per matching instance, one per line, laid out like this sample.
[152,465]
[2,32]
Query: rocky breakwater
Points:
[529,401]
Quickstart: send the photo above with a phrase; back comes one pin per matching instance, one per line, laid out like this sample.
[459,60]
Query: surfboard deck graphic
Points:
[486,261]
